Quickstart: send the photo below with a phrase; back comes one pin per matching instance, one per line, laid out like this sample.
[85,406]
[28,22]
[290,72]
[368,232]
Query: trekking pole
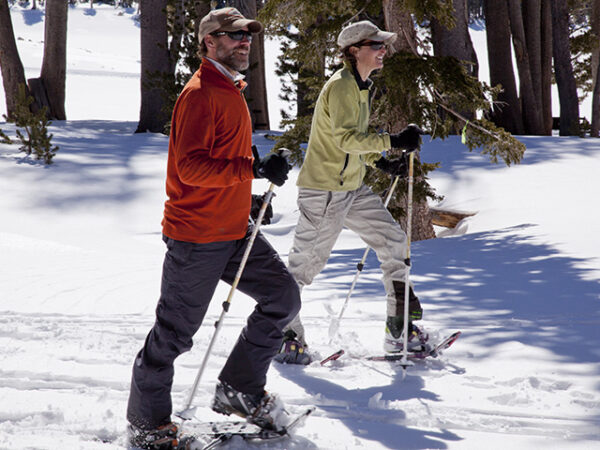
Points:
[404,362]
[335,322]
[189,412]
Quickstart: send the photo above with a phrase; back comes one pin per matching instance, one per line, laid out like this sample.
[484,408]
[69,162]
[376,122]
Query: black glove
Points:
[273,167]
[409,138]
[397,167]
[257,203]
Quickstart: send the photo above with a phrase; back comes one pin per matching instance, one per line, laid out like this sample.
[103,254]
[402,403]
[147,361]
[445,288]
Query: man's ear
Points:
[209,41]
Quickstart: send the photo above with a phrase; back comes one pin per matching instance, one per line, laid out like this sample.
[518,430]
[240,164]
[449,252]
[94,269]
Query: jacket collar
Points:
[237,80]
[362,85]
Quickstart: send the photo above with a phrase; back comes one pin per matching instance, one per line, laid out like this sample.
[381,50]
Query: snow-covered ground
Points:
[81,256]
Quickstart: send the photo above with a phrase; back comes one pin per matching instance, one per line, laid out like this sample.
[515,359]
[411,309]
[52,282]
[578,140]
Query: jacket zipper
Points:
[344,169]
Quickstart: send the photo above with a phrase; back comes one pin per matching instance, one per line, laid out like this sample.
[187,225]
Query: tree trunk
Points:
[399,21]
[546,19]
[13,73]
[532,23]
[537,21]
[595,132]
[530,103]
[256,92]
[54,63]
[456,42]
[563,70]
[154,64]
[507,114]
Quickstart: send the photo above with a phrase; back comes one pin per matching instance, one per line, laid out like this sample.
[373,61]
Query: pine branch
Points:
[503,144]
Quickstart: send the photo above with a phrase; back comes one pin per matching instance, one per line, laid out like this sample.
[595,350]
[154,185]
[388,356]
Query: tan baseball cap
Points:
[226,19]
[363,31]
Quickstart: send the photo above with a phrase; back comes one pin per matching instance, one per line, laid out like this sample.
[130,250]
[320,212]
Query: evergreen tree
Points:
[412,87]
[35,139]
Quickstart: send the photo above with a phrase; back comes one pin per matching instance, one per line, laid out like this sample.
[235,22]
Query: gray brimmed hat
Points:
[226,19]
[363,31]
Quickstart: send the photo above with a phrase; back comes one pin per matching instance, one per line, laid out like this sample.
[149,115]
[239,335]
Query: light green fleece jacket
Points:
[340,143]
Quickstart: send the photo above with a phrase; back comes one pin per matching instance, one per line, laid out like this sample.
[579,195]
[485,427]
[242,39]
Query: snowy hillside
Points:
[81,257]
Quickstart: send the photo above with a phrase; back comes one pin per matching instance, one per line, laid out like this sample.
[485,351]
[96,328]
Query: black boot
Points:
[415,312]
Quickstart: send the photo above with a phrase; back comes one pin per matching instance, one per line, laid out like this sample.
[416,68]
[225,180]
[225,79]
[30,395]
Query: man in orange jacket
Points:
[206,228]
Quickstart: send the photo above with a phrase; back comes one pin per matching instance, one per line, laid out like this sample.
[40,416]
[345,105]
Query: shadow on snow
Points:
[352,407]
[94,164]
[491,280]
[499,287]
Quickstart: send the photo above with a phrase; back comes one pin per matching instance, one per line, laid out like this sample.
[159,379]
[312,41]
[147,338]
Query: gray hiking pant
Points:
[323,214]
[190,275]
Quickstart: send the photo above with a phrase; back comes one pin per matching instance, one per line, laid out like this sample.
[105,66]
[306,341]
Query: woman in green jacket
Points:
[332,194]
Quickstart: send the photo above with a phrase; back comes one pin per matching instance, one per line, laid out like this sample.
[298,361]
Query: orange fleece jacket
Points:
[209,168]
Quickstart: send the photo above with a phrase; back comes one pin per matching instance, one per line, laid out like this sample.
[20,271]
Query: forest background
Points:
[431,76]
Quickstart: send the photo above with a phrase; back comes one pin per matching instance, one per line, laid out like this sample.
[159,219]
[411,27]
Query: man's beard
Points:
[232,59]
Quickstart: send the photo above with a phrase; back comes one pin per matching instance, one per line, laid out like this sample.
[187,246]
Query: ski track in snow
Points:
[86,362]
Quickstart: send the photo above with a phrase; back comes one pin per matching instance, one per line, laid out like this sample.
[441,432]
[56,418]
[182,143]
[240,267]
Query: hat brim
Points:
[384,36]
[254,26]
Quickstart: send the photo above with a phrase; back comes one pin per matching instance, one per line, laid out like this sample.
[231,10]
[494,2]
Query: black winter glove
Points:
[397,167]
[257,202]
[273,167]
[409,138]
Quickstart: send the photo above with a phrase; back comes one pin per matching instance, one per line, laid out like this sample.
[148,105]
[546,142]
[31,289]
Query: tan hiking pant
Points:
[323,214]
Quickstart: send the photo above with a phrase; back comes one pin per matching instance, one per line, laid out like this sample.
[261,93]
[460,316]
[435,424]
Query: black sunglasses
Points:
[235,35]
[375,45]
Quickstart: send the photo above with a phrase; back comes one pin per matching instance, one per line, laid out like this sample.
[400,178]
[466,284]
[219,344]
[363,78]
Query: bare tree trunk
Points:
[54,63]
[546,33]
[530,103]
[497,27]
[563,70]
[399,21]
[154,62]
[456,42]
[595,132]
[256,92]
[537,21]
[13,73]
[532,23]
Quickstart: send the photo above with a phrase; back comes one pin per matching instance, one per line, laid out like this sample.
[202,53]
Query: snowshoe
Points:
[265,411]
[161,438]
